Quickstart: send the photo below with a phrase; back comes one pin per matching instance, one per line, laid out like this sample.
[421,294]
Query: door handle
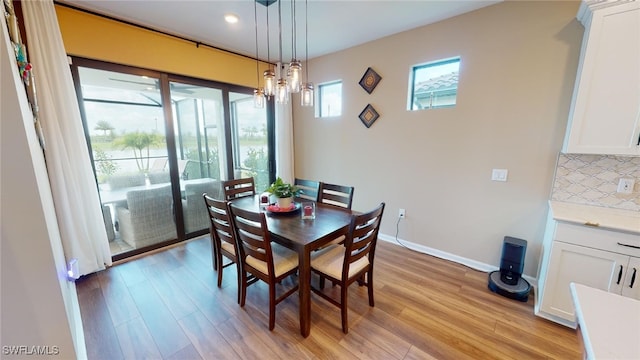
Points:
[631,246]
[619,276]
[633,277]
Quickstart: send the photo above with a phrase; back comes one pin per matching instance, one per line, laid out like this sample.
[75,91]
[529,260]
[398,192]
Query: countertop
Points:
[607,218]
[609,323]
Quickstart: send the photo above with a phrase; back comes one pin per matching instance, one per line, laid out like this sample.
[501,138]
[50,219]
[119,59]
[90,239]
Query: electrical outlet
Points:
[625,186]
[401,213]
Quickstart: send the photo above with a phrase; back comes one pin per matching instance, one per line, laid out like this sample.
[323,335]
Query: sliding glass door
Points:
[125,125]
[158,142]
[199,132]
[251,152]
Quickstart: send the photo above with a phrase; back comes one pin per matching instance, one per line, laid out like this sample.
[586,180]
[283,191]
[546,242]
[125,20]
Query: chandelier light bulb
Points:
[269,82]
[282,92]
[306,95]
[258,98]
[295,75]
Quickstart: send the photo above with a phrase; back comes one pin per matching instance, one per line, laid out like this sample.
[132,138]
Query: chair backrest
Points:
[126,180]
[182,167]
[236,188]
[220,223]
[159,164]
[154,200]
[309,188]
[336,195]
[252,237]
[193,191]
[158,177]
[362,237]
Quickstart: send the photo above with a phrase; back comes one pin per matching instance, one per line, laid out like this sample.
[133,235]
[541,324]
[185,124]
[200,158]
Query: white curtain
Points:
[72,182]
[284,142]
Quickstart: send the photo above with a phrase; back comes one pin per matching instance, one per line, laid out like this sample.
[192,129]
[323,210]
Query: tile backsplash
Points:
[593,180]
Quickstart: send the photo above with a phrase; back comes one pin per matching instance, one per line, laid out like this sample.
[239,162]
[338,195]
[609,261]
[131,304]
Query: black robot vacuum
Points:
[508,280]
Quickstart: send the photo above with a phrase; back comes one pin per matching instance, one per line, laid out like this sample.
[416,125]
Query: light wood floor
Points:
[167,306]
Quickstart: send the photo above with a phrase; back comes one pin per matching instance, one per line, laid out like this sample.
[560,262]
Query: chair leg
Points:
[239,282]
[243,288]
[219,268]
[370,287]
[272,306]
[214,256]
[343,308]
[321,282]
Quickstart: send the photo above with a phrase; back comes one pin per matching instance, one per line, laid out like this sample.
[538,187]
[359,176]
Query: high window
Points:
[330,99]
[434,85]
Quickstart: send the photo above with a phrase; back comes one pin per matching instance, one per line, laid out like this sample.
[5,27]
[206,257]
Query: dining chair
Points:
[309,188]
[238,188]
[336,195]
[352,262]
[261,258]
[223,241]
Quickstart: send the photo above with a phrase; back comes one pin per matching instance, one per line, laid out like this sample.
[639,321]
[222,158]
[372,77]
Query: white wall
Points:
[518,66]
[39,306]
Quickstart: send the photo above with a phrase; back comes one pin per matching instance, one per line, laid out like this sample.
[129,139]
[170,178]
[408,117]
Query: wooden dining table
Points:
[302,236]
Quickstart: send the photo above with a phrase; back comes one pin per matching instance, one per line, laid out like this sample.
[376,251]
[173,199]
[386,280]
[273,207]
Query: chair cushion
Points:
[225,245]
[330,259]
[283,260]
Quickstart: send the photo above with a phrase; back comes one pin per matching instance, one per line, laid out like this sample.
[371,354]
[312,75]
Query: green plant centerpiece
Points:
[284,192]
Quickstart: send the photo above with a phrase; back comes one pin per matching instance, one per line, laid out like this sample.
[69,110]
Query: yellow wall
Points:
[98,38]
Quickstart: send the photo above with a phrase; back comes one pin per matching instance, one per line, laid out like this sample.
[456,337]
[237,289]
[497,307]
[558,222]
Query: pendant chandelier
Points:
[293,74]
[306,91]
[286,79]
[282,89]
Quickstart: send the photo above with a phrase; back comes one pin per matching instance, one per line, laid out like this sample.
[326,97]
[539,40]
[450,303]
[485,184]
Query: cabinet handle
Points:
[638,144]
[633,277]
[631,246]
[619,276]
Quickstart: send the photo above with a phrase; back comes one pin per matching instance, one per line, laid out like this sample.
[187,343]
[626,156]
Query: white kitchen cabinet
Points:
[631,284]
[572,263]
[605,110]
[590,256]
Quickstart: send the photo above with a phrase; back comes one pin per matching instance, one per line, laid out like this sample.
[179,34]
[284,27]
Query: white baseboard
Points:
[476,265]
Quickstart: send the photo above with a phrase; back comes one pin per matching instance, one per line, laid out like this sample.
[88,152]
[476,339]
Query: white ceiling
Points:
[333,24]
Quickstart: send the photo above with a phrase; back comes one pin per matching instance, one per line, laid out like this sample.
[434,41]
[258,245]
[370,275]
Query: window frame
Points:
[165,79]
[319,97]
[431,64]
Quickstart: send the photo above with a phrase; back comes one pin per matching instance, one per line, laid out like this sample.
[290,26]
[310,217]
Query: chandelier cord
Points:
[280,32]
[306,37]
[268,36]
[293,33]
[255,18]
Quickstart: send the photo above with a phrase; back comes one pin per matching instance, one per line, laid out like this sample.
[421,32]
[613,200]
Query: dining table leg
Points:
[304,290]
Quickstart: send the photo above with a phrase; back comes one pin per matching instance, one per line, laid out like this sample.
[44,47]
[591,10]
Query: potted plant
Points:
[284,192]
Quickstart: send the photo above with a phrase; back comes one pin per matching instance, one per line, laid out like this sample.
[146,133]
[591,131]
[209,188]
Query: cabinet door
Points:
[604,116]
[631,284]
[572,263]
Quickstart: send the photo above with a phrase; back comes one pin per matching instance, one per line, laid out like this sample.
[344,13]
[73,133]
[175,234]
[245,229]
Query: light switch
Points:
[499,174]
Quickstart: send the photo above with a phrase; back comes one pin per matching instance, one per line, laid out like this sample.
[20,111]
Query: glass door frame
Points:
[165,94]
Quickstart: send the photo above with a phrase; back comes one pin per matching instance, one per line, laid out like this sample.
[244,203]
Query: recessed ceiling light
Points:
[231,18]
